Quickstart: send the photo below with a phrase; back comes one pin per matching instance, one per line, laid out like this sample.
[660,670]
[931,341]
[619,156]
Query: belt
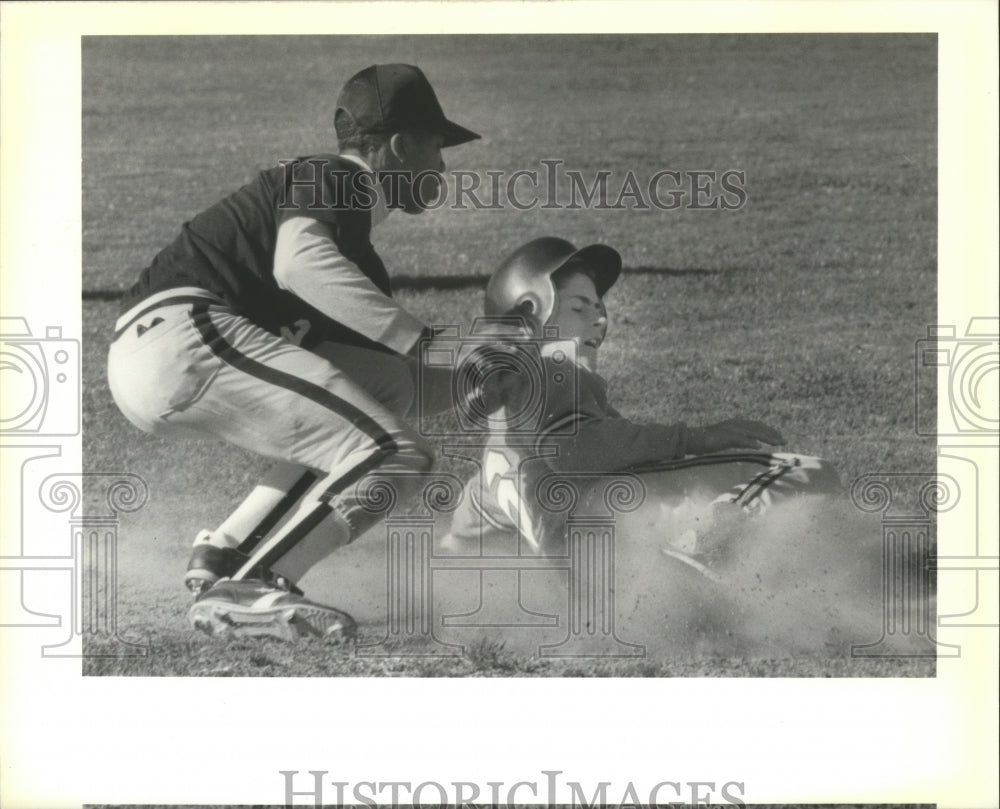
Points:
[168,297]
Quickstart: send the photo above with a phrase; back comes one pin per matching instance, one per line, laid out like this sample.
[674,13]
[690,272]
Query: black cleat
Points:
[256,608]
[209,564]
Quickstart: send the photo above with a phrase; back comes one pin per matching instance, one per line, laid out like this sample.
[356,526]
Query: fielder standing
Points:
[269,323]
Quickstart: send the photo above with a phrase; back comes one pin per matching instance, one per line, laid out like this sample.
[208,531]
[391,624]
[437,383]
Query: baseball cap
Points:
[395,97]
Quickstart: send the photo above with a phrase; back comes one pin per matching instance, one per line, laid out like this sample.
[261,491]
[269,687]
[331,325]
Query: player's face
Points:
[418,158]
[580,315]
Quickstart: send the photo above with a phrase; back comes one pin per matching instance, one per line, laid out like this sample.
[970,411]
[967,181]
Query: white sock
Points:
[323,539]
[258,505]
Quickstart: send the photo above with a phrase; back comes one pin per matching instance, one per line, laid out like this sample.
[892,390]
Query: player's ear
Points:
[399,146]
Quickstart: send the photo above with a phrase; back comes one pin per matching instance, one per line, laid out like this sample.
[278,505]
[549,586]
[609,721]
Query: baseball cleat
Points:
[209,564]
[707,549]
[255,608]
[692,562]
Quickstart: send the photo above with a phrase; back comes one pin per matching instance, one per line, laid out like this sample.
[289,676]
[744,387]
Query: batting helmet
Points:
[522,284]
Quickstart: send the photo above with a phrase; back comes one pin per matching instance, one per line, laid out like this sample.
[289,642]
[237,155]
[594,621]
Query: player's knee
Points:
[130,392]
[415,453]
[398,396]
[424,460]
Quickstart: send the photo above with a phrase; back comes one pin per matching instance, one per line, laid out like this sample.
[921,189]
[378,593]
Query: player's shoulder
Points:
[329,163]
[571,390]
[328,187]
[307,170]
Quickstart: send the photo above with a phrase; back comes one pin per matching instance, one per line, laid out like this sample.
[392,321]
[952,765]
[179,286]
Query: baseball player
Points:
[269,323]
[558,292]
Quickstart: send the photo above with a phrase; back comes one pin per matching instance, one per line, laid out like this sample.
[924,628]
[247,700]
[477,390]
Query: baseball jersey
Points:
[580,432]
[584,433]
[577,431]
[291,251]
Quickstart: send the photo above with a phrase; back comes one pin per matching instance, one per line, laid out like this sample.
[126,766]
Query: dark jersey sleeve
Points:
[590,436]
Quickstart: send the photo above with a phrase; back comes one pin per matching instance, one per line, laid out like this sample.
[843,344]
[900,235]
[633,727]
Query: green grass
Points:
[801,309]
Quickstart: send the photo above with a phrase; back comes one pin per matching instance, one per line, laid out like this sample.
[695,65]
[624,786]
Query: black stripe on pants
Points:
[230,355]
[311,520]
[292,496]
[384,443]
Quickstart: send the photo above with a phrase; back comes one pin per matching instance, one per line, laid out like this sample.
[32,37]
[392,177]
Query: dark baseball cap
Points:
[384,99]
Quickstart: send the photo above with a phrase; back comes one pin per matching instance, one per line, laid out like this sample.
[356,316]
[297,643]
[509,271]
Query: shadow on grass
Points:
[452,282]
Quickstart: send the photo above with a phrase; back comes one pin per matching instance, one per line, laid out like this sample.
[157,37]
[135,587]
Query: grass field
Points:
[800,309]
